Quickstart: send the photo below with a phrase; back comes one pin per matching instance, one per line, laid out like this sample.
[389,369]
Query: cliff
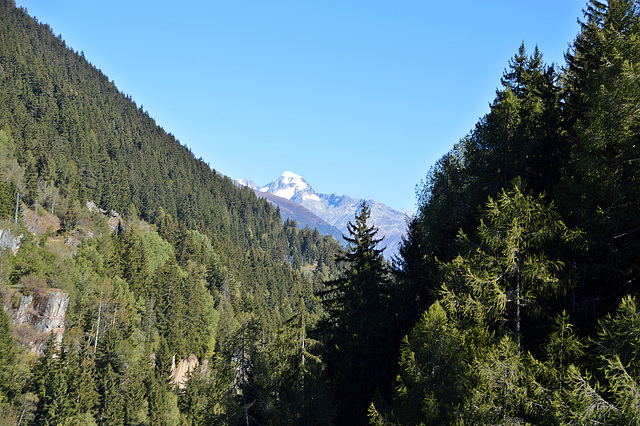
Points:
[38,317]
[9,242]
[180,373]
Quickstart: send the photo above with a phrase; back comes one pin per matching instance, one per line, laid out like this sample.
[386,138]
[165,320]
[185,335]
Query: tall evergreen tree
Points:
[10,380]
[464,361]
[602,178]
[51,385]
[519,138]
[431,384]
[356,331]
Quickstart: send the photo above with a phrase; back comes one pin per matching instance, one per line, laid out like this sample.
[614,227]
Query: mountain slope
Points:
[196,266]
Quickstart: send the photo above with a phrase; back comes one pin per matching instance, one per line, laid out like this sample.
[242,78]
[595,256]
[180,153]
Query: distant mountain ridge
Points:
[294,211]
[336,210]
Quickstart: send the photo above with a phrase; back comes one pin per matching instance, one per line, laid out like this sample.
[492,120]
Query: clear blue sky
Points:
[359,97]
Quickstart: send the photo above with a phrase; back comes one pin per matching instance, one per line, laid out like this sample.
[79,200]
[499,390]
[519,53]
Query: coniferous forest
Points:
[512,301]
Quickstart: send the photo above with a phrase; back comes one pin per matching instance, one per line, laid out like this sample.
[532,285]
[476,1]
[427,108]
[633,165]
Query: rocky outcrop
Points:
[180,373]
[115,220]
[8,242]
[40,316]
[91,206]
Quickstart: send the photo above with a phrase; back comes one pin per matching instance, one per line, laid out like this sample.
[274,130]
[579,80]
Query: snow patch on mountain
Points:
[287,193]
[245,182]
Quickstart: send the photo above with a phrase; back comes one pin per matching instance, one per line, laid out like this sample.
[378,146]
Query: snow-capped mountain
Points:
[294,211]
[337,210]
[292,187]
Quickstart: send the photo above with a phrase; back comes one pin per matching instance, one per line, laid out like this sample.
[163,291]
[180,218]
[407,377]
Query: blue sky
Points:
[359,97]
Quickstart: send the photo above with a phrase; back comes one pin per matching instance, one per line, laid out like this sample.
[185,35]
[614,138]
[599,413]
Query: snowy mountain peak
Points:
[292,177]
[292,187]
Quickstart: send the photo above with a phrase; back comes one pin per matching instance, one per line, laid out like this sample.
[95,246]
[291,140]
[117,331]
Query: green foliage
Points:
[571,134]
[507,271]
[480,374]
[600,187]
[431,385]
[213,256]
[499,390]
[52,387]
[7,200]
[112,404]
[8,360]
[610,393]
[562,349]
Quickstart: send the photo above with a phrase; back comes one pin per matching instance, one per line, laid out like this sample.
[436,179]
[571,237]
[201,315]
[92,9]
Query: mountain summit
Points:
[292,187]
[336,210]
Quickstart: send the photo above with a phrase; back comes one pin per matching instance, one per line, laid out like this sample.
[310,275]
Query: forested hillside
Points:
[524,251]
[195,266]
[513,300]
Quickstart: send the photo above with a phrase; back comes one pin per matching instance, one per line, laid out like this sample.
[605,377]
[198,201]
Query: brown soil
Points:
[45,219]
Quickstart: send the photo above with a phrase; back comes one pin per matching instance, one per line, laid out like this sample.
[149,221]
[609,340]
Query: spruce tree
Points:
[356,332]
[602,99]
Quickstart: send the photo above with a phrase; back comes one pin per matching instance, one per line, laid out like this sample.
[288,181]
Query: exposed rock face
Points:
[115,220]
[91,206]
[8,242]
[180,372]
[39,316]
